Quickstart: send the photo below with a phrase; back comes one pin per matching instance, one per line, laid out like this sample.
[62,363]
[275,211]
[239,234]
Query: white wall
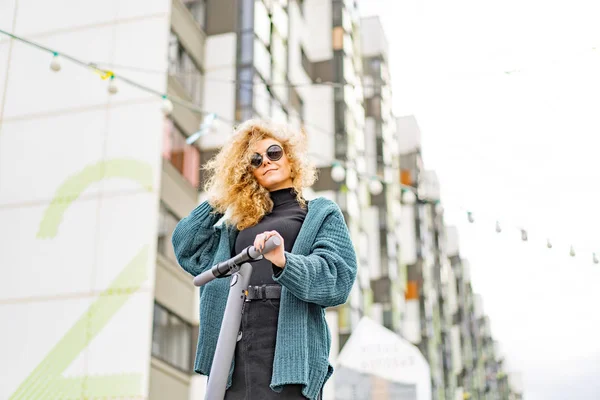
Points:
[318,100]
[219,89]
[79,184]
[318,32]
[373,40]
[407,236]
[409,134]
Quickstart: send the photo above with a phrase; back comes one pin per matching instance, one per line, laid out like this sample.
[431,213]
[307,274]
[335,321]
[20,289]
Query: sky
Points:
[507,96]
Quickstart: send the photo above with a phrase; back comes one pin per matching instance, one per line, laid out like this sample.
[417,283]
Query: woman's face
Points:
[274,170]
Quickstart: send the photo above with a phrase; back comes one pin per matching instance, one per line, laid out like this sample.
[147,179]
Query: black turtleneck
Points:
[286,218]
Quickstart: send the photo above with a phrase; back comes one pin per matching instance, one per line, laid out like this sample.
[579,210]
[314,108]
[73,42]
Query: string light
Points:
[470,217]
[408,196]
[338,172]
[112,86]
[167,105]
[375,186]
[242,83]
[55,63]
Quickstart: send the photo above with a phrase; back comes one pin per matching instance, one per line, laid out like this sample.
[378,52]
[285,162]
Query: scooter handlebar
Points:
[223,269]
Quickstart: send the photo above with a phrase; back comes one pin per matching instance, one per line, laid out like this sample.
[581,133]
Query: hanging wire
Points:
[105,73]
[167,108]
[240,82]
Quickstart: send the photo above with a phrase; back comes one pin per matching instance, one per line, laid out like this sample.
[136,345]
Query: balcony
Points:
[188,30]
[183,157]
[183,67]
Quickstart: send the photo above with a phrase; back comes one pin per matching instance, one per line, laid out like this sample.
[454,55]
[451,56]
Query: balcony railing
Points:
[184,69]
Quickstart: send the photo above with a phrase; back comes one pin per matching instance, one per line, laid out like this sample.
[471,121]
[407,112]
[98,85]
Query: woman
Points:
[283,343]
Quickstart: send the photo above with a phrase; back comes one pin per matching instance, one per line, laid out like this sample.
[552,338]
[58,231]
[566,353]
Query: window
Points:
[172,339]
[184,157]
[167,221]
[183,68]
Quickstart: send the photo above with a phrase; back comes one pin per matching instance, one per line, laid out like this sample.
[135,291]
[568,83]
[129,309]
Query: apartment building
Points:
[88,235]
[443,316]
[82,182]
[291,61]
[381,154]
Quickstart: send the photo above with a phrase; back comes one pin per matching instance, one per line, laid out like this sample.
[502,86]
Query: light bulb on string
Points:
[470,217]
[548,244]
[112,86]
[375,186]
[408,196]
[55,63]
[572,251]
[523,235]
[498,228]
[595,258]
[338,173]
[167,105]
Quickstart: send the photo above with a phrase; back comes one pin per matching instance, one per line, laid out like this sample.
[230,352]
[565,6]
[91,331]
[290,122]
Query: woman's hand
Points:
[277,255]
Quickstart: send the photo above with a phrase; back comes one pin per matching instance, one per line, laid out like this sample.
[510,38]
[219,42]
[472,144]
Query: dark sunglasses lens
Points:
[274,153]
[256,160]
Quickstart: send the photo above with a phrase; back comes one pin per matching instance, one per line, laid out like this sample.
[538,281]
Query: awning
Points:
[376,363]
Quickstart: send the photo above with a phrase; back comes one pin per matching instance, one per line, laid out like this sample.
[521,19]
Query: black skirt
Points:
[254,354]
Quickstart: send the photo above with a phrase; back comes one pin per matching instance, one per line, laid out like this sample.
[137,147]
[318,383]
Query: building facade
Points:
[381,154]
[82,179]
[444,317]
[119,316]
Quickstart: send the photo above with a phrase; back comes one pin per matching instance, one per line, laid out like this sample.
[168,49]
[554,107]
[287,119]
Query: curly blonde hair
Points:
[232,186]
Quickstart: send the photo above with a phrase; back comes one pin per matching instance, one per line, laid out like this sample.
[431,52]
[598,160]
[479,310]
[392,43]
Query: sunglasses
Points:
[274,152]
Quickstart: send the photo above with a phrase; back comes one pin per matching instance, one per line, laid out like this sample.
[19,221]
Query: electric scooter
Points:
[239,268]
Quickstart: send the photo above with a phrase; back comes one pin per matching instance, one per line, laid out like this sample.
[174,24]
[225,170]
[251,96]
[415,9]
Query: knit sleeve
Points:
[326,275]
[195,239]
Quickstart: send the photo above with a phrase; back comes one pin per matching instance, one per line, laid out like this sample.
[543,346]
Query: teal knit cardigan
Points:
[319,273]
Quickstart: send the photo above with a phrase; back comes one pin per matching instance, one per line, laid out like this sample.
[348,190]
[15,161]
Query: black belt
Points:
[264,292]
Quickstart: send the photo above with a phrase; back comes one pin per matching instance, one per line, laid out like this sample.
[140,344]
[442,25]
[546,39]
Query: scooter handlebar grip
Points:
[271,244]
[204,278]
